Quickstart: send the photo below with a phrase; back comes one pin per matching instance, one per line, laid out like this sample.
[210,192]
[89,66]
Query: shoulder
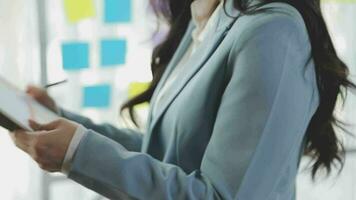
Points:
[277,18]
[277,34]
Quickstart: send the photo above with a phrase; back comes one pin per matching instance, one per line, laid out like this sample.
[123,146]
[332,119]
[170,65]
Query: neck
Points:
[202,10]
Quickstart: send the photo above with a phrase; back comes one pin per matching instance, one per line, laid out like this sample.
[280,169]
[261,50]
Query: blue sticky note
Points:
[98,96]
[75,56]
[113,52]
[117,11]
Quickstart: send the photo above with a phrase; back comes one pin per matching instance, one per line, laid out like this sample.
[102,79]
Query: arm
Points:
[268,102]
[129,138]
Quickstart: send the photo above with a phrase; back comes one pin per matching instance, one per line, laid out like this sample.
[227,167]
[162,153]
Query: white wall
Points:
[340,18]
[19,62]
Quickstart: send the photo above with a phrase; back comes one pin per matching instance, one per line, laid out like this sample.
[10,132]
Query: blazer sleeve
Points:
[264,112]
[129,138]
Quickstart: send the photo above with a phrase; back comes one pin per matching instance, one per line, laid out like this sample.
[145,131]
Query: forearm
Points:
[113,171]
[130,139]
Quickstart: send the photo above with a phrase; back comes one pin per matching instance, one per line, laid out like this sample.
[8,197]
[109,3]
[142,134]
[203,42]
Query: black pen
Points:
[55,84]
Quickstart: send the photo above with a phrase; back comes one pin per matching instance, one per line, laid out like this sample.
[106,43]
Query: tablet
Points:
[17,108]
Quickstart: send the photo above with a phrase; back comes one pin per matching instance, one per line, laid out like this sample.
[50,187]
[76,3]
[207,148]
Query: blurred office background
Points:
[103,49]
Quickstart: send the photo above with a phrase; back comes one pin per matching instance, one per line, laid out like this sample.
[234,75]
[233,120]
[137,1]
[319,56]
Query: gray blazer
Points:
[232,127]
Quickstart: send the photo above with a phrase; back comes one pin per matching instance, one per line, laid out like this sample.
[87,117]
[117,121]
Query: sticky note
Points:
[75,56]
[137,88]
[113,52]
[117,11]
[97,96]
[77,10]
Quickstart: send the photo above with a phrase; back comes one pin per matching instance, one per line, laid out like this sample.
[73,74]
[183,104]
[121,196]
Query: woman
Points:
[240,91]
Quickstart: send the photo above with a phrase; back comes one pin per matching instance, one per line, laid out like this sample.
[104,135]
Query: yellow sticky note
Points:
[137,88]
[77,10]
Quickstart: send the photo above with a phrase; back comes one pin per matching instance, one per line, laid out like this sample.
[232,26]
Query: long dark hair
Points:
[322,142]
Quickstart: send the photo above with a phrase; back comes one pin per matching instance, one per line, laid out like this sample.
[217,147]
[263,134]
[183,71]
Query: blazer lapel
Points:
[196,61]
[182,48]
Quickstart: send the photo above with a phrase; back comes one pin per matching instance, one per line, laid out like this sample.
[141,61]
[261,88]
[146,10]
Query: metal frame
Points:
[42,34]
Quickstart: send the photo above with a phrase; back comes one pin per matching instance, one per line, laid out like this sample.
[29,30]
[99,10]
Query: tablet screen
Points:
[19,107]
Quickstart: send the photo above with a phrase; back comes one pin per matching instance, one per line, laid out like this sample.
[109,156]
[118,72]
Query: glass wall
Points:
[20,63]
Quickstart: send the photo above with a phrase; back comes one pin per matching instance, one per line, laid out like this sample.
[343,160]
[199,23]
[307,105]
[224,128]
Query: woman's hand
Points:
[42,97]
[48,144]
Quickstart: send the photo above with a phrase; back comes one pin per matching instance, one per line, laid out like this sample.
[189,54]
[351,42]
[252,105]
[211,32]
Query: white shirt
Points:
[198,37]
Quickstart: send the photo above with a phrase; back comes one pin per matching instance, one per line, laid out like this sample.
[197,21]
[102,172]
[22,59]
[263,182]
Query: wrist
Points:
[78,136]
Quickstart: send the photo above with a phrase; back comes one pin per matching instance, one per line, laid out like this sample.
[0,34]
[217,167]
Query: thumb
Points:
[43,127]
